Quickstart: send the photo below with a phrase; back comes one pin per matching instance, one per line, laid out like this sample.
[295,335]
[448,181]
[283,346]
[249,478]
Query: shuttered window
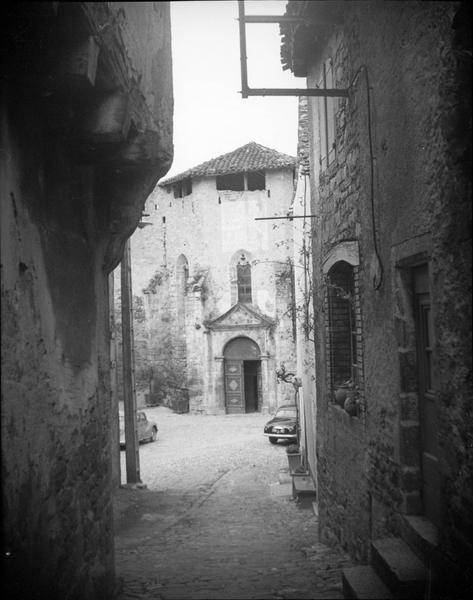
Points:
[341,324]
[327,107]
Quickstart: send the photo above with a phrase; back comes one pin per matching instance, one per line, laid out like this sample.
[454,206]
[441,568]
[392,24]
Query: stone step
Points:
[283,490]
[420,534]
[303,484]
[303,490]
[400,569]
[284,476]
[362,583]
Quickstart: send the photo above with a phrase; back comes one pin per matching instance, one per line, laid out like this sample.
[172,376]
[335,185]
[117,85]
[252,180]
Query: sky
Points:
[210,116]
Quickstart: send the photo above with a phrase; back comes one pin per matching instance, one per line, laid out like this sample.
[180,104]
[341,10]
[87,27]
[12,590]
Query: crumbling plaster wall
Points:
[64,222]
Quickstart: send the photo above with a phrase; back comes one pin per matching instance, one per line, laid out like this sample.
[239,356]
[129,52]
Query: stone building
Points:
[390,164]
[86,132]
[304,291]
[216,284]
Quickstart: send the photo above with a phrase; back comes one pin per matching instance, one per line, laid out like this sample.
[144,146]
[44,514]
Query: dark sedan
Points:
[283,426]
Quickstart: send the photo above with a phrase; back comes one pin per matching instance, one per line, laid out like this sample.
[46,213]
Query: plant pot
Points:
[350,405]
[294,461]
[340,395]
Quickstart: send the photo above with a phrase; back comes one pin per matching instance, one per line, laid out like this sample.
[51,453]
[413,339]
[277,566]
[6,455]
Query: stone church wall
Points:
[211,229]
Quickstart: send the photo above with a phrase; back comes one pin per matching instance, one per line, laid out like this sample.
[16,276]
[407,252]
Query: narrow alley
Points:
[214,210]
[215,521]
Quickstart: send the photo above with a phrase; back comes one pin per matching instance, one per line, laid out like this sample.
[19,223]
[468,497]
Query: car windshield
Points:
[287,411]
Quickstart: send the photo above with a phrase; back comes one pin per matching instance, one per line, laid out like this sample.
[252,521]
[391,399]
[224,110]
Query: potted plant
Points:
[341,391]
[351,403]
[300,472]
[293,456]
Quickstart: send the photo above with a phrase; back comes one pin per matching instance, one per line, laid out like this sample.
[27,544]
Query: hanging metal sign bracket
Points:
[246,91]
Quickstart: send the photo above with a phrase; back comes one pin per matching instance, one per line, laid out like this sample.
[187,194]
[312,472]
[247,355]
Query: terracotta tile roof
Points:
[251,157]
[302,42]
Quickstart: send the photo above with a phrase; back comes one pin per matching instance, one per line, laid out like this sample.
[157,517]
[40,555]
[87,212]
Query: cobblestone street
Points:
[214,521]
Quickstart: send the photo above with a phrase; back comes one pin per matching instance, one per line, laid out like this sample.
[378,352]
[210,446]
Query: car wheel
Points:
[273,440]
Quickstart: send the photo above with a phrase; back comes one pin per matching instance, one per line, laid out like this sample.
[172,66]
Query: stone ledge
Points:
[362,582]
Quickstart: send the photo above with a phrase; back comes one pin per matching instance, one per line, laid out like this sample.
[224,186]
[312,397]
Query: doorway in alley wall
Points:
[243,393]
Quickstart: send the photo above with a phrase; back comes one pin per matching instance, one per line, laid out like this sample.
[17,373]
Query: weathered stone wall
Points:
[211,228]
[303,291]
[418,89]
[58,242]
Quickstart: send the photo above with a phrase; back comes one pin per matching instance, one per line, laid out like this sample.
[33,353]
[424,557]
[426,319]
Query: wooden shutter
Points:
[234,390]
[330,115]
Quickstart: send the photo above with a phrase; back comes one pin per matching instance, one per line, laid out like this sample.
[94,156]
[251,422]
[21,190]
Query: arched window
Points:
[243,269]
[341,324]
[240,277]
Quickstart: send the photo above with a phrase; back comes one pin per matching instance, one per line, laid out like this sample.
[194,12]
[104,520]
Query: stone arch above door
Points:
[243,348]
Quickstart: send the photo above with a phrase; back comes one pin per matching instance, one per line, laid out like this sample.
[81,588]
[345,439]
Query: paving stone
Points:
[228,528]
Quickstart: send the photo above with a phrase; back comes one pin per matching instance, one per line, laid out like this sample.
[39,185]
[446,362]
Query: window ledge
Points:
[341,414]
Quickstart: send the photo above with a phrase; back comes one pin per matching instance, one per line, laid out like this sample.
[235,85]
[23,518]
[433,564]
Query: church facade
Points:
[213,276]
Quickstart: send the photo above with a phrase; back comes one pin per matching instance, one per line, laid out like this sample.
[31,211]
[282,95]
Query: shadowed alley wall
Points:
[86,126]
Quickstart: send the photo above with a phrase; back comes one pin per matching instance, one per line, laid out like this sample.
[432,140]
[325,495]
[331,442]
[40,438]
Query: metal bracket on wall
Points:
[290,217]
[246,91]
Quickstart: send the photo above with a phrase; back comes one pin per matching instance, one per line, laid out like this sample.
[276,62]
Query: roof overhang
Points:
[305,37]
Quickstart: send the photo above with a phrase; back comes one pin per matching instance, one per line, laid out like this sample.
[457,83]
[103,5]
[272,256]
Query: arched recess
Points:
[181,276]
[242,365]
[347,251]
[343,326]
[240,277]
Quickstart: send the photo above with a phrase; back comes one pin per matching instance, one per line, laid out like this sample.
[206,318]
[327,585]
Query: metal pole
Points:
[115,426]
[290,19]
[247,91]
[244,72]
[290,217]
[129,393]
[313,92]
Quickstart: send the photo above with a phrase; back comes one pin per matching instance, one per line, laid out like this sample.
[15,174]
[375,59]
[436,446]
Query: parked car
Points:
[283,426]
[147,430]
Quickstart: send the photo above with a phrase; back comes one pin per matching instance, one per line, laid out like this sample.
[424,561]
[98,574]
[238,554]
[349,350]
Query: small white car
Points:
[147,430]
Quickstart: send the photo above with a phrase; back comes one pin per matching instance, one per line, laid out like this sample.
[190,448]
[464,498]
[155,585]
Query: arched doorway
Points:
[243,392]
